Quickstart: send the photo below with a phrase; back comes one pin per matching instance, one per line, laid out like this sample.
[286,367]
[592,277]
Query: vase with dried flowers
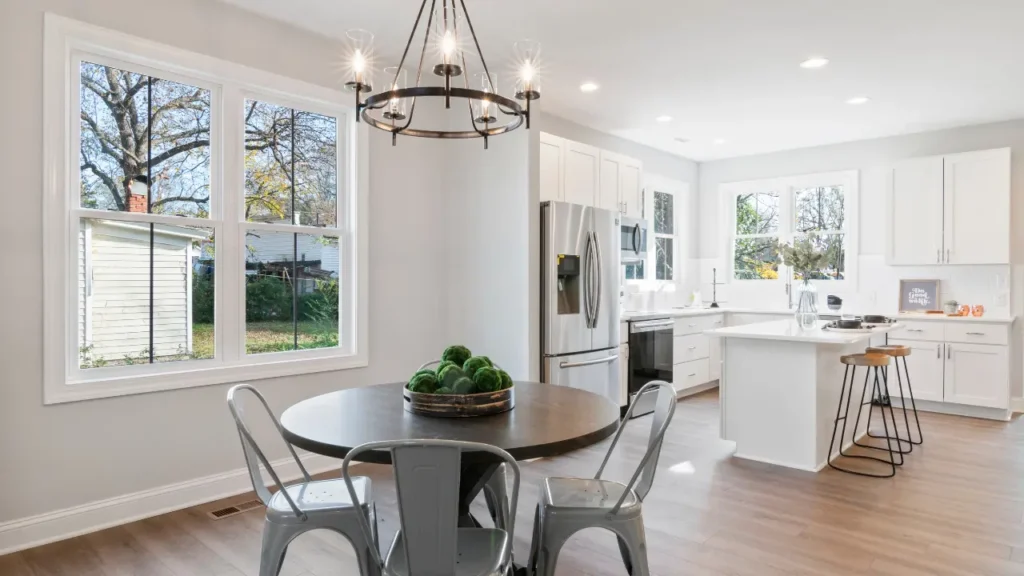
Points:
[804,259]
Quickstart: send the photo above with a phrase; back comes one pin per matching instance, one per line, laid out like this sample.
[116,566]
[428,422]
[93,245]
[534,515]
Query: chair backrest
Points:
[427,476]
[664,409]
[254,456]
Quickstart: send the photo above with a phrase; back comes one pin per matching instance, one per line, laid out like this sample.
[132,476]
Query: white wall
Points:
[53,457]
[877,282]
[487,227]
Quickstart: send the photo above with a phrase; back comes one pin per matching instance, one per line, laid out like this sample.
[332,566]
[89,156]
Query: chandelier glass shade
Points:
[446,31]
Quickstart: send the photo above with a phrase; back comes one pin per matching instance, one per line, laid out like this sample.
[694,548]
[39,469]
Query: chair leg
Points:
[877,389]
[856,425]
[547,543]
[900,442]
[275,545]
[913,404]
[633,545]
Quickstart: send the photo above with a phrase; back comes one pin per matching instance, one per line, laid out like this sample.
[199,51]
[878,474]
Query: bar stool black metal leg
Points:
[877,389]
[900,442]
[842,437]
[913,404]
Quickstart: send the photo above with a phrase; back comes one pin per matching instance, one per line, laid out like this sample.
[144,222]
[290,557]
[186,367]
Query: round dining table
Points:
[547,420]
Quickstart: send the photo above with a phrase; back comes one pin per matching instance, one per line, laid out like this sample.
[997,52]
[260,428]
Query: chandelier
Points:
[447,29]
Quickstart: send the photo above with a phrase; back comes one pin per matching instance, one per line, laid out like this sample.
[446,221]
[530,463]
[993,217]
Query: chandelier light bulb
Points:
[448,44]
[527,72]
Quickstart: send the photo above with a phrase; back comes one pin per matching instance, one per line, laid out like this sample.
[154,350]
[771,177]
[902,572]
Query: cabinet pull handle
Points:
[947,255]
[691,374]
[938,256]
[975,333]
[691,325]
[717,322]
[949,351]
[692,348]
[938,350]
[915,330]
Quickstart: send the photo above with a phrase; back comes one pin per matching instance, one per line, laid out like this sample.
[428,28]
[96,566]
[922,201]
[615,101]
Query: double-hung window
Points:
[761,214]
[203,221]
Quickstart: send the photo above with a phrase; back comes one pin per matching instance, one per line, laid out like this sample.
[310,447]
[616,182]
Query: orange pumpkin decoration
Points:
[978,310]
[965,310]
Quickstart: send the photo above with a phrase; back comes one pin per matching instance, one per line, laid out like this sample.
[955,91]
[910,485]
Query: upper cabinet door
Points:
[552,167]
[631,193]
[915,212]
[611,170]
[582,166]
[977,207]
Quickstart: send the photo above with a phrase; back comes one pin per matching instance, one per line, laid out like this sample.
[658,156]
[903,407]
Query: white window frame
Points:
[786,187]
[678,190]
[66,43]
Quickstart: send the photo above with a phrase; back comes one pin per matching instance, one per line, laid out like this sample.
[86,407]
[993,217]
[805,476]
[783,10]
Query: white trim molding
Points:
[70,522]
[1017,405]
[68,43]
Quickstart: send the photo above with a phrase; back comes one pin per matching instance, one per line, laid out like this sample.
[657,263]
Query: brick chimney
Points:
[137,203]
[138,194]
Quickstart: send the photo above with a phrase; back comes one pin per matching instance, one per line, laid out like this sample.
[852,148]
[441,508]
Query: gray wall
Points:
[59,456]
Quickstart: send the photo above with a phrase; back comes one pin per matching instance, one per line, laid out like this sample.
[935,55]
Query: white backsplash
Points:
[877,286]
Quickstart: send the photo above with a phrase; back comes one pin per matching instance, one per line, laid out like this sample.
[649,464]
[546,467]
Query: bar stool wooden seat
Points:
[870,361]
[897,351]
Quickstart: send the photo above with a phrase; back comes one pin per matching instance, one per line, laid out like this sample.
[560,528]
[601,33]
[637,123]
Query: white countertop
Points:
[628,316]
[787,330]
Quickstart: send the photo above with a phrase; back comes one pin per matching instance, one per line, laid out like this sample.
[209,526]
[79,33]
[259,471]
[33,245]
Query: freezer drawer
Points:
[597,372]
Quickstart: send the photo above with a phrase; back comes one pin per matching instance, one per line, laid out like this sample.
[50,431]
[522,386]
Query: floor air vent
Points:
[234,509]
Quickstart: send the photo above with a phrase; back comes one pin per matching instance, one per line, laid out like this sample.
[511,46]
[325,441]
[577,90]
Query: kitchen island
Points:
[780,387]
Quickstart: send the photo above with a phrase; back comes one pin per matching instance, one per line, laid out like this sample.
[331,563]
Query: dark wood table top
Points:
[547,421]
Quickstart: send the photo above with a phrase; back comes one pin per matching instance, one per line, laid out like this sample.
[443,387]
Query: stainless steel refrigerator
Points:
[580,298]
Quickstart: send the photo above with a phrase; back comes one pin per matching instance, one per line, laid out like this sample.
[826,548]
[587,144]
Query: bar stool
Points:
[868,361]
[897,351]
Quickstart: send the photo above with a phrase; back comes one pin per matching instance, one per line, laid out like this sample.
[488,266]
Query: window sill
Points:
[91,389]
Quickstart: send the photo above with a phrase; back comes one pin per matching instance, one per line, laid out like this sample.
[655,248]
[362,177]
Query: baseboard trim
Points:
[70,522]
[965,410]
[1017,405]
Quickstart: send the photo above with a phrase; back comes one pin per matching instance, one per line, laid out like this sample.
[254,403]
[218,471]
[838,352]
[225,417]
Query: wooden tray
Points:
[459,405]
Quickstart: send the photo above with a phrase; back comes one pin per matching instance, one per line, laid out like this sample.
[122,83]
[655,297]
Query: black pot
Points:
[848,324]
[875,319]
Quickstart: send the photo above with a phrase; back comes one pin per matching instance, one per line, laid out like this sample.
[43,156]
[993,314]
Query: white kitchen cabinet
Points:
[915,212]
[977,375]
[631,192]
[582,168]
[715,359]
[623,374]
[620,188]
[952,209]
[552,167]
[977,207]
[925,364]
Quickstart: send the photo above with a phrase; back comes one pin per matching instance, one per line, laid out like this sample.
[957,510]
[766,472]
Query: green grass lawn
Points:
[263,337]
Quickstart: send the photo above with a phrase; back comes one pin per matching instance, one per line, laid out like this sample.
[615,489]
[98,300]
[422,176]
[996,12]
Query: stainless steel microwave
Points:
[633,239]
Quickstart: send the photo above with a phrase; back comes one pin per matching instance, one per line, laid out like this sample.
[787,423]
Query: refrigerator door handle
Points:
[605,360]
[597,279]
[587,280]
[636,239]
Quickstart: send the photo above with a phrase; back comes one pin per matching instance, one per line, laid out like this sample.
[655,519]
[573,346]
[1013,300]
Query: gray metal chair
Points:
[568,505]
[429,541]
[495,490]
[305,505]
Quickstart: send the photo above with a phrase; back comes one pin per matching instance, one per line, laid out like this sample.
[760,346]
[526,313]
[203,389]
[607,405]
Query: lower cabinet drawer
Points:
[692,347]
[977,333]
[921,330]
[690,374]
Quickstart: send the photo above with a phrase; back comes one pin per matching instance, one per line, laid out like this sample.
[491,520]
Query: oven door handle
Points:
[650,325]
[588,362]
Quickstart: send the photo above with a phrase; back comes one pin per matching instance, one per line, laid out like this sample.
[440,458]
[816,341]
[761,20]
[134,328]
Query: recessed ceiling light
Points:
[858,100]
[588,87]
[719,140]
[815,62]
[664,118]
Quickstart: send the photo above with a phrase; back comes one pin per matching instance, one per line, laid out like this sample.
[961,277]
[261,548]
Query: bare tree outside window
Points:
[664,240]
[821,217]
[757,234]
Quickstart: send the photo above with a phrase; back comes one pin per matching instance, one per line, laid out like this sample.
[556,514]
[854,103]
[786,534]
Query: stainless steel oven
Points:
[650,358]
[632,239]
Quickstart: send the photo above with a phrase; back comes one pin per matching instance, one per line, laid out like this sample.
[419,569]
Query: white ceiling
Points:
[729,69]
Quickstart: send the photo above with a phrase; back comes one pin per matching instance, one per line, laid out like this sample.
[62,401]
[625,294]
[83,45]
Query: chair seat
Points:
[586,493]
[320,496]
[479,552]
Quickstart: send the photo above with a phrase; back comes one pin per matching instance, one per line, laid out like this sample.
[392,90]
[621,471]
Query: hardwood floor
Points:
[955,508]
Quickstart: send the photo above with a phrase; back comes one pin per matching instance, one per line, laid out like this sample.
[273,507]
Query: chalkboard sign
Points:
[919,295]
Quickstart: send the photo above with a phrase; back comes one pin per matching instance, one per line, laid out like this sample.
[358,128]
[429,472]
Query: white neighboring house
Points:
[311,253]
[113,284]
